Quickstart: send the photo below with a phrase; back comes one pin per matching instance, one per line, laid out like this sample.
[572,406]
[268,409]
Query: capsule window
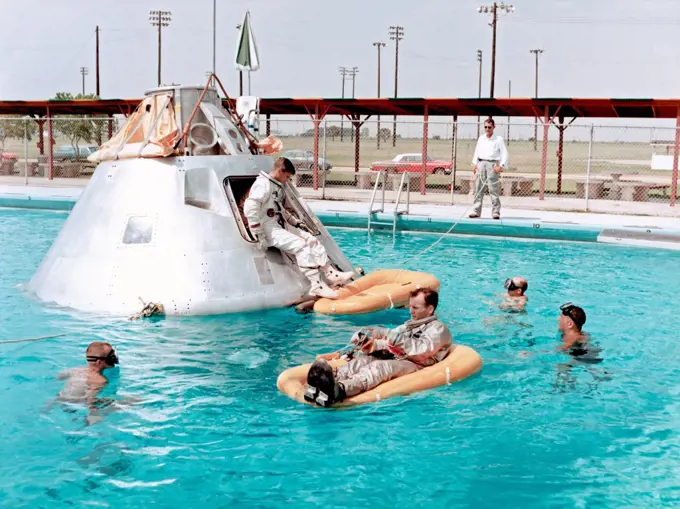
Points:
[139,230]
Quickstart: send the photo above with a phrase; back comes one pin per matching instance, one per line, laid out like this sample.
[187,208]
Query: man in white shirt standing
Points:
[491,157]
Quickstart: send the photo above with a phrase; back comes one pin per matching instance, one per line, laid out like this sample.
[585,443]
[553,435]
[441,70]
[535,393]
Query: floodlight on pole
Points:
[160,19]
[379,45]
[396,33]
[536,52]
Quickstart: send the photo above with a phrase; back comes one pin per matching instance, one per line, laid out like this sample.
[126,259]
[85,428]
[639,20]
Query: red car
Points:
[412,163]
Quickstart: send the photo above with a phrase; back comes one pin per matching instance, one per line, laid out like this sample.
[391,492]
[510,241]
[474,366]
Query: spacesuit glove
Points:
[262,243]
[303,227]
[309,238]
[259,238]
[360,336]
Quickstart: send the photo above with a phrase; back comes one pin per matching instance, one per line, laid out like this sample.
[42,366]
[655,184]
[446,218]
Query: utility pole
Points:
[396,33]
[97,63]
[379,45]
[352,73]
[479,84]
[493,10]
[507,139]
[344,71]
[160,19]
[536,52]
[84,72]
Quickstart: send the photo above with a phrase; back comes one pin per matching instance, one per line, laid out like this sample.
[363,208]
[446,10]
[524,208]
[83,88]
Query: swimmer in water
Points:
[84,383]
[575,342]
[515,299]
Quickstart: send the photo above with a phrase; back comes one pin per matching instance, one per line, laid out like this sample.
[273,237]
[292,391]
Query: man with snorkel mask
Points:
[84,383]
[515,299]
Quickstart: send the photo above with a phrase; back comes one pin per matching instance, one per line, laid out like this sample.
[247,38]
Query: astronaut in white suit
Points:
[274,226]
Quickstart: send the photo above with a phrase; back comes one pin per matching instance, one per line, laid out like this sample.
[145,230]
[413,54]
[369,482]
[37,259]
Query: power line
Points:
[598,21]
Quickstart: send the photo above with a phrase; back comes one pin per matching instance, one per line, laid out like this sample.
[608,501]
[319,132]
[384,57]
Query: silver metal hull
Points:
[163,230]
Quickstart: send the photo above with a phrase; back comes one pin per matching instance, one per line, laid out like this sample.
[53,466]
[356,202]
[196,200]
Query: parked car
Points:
[303,160]
[412,163]
[68,153]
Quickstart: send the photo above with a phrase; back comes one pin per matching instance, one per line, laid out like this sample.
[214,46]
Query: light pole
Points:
[160,19]
[536,52]
[479,84]
[97,91]
[379,45]
[493,10]
[507,139]
[84,72]
[214,35]
[396,33]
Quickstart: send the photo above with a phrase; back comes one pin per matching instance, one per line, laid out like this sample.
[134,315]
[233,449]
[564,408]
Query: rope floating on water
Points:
[26,340]
[150,309]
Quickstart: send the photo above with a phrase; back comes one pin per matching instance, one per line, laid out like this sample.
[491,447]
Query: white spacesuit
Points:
[267,219]
[406,349]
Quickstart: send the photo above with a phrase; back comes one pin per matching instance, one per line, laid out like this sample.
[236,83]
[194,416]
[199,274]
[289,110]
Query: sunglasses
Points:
[111,358]
[488,127]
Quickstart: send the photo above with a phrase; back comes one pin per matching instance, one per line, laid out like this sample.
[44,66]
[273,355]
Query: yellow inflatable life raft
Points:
[382,289]
[460,363]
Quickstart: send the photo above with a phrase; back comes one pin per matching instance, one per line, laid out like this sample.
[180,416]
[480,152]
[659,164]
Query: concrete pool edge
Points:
[644,235]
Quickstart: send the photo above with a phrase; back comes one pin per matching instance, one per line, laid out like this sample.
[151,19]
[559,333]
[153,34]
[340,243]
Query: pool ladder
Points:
[373,209]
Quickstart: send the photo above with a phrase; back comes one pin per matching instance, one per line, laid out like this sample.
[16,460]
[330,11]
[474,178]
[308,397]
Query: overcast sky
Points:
[593,48]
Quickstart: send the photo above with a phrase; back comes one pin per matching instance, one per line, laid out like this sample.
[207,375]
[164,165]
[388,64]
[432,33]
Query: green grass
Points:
[523,158]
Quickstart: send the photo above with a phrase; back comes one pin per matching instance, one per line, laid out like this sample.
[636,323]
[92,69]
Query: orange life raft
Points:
[382,289]
[460,363]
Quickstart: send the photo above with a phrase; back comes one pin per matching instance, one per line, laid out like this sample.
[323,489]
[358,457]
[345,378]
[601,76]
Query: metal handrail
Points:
[405,178]
[382,176]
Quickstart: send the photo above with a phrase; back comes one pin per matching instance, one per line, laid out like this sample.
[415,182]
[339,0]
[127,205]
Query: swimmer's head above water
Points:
[572,318]
[101,356]
[516,286]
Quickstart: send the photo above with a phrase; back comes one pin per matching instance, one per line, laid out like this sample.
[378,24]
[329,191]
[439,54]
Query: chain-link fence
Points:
[25,145]
[580,167]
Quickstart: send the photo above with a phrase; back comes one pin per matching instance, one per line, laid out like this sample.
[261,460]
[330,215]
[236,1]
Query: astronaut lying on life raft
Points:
[387,354]
[267,220]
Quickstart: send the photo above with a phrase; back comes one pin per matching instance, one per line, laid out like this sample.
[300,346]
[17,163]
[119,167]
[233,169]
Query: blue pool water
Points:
[209,428]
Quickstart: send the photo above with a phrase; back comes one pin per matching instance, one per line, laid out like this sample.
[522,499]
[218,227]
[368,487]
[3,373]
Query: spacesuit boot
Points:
[322,389]
[335,277]
[319,287]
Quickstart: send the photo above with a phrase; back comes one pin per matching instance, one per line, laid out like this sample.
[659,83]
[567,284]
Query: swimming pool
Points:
[212,431]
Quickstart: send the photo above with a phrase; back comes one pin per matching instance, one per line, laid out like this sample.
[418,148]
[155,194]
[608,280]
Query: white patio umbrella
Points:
[247,58]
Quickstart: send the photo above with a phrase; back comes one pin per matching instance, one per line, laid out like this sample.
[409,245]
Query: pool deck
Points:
[633,230]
